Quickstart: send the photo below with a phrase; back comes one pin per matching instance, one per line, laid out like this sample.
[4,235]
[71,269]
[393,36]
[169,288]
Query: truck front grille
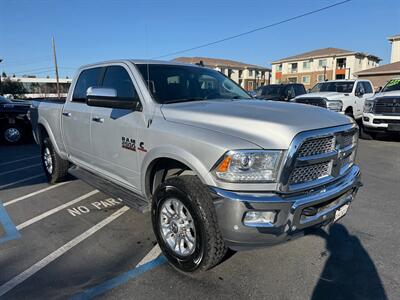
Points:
[317,146]
[387,105]
[320,102]
[320,158]
[310,173]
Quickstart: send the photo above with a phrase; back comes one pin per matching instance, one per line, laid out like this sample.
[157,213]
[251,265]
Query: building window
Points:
[222,70]
[306,64]
[250,85]
[341,63]
[292,79]
[320,77]
[293,68]
[305,79]
[322,63]
[250,73]
[279,68]
[240,73]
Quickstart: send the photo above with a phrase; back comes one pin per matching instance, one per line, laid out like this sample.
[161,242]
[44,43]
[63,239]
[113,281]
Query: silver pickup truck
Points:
[216,168]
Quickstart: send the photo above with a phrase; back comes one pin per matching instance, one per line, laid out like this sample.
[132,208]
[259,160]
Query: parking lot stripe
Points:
[34,193]
[20,169]
[9,285]
[19,181]
[54,210]
[18,160]
[112,283]
[153,254]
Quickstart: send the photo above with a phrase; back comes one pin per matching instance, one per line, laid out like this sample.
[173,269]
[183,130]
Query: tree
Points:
[14,88]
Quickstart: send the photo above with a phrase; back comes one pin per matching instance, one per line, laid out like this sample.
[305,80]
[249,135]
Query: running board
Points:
[130,198]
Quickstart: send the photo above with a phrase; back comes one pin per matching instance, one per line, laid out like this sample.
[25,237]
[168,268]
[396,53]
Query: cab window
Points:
[87,78]
[117,77]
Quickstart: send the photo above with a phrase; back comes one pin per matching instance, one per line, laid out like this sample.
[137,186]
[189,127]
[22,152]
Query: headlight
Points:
[368,106]
[249,166]
[335,105]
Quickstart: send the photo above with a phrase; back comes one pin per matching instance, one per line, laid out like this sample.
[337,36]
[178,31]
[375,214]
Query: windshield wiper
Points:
[183,100]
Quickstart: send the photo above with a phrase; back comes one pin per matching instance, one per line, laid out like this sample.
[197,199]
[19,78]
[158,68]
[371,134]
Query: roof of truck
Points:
[137,61]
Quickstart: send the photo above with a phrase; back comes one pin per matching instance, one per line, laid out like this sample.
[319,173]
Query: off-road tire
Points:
[60,166]
[210,247]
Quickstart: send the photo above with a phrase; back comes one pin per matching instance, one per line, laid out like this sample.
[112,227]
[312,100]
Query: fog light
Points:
[259,218]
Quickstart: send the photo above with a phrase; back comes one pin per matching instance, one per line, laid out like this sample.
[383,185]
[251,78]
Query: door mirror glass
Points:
[107,97]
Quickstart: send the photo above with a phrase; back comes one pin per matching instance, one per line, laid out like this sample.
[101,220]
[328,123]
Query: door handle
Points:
[67,114]
[98,119]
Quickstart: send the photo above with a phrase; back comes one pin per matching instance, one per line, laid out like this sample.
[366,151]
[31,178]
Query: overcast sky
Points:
[87,31]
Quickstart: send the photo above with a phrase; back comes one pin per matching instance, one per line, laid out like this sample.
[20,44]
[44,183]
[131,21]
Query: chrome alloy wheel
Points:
[12,135]
[48,160]
[177,227]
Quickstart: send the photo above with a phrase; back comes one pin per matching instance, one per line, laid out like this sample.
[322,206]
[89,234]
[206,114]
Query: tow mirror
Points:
[107,97]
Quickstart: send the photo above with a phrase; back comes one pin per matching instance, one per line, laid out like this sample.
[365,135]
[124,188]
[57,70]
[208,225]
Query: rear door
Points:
[76,118]
[114,131]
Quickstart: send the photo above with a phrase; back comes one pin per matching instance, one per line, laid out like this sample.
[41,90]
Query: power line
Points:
[253,30]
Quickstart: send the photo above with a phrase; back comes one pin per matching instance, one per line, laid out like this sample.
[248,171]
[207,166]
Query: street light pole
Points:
[1,87]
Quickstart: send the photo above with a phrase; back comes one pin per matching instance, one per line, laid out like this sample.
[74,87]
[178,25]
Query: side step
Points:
[130,198]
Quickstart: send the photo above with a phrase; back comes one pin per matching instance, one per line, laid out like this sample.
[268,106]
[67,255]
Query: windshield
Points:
[333,86]
[174,83]
[392,85]
[272,91]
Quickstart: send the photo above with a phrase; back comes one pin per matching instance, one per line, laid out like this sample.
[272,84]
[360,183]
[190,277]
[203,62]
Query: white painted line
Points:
[153,254]
[54,210]
[12,283]
[34,193]
[19,181]
[18,160]
[20,169]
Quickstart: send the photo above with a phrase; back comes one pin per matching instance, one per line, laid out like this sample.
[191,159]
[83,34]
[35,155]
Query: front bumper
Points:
[392,122]
[291,220]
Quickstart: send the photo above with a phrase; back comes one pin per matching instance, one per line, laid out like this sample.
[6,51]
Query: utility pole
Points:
[1,87]
[56,68]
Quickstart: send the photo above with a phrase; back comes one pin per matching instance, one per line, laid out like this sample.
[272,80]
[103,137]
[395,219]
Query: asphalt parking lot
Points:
[71,241]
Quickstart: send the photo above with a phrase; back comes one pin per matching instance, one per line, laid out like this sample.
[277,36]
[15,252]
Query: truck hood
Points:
[386,94]
[328,95]
[268,124]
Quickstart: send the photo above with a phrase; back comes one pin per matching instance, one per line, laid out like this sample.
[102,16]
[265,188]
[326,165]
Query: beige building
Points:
[322,64]
[382,74]
[395,40]
[247,76]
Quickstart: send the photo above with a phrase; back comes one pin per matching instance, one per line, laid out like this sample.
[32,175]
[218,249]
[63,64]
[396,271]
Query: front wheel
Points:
[55,168]
[186,226]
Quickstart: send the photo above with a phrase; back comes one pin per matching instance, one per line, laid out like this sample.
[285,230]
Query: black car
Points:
[280,92]
[15,126]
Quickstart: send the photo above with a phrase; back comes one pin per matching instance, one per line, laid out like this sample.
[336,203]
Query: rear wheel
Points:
[185,225]
[55,168]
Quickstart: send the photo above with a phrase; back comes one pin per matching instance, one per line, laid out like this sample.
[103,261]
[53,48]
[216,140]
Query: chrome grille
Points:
[317,146]
[317,157]
[387,105]
[320,102]
[310,173]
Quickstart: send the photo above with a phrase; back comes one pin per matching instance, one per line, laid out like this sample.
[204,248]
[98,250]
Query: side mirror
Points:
[358,93]
[107,97]
[308,91]
[379,89]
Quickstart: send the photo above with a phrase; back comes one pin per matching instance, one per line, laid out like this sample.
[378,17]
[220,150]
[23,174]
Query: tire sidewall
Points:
[47,144]
[187,263]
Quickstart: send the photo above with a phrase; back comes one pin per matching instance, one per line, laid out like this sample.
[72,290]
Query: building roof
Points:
[217,62]
[324,52]
[393,68]
[394,37]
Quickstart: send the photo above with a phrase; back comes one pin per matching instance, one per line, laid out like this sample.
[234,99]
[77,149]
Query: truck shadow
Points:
[349,272]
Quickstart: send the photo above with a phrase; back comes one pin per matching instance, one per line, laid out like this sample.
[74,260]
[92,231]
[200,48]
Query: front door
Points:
[114,131]
[75,118]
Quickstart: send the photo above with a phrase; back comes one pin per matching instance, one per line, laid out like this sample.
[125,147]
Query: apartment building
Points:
[322,64]
[395,41]
[248,76]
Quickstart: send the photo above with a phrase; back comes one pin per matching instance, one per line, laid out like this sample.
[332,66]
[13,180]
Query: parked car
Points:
[344,96]
[216,168]
[14,124]
[382,111]
[280,92]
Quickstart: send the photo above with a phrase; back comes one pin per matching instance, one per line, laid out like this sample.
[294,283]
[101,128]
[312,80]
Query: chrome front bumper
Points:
[291,219]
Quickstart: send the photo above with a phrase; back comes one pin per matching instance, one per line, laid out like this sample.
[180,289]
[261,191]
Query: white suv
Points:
[344,96]
[382,111]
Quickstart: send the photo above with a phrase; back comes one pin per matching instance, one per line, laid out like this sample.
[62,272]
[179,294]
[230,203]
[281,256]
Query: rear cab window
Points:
[87,78]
